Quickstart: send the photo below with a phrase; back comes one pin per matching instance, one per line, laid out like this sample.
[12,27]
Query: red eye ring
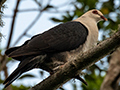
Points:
[95,12]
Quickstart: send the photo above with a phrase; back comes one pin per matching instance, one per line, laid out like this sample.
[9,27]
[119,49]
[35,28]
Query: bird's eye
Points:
[95,12]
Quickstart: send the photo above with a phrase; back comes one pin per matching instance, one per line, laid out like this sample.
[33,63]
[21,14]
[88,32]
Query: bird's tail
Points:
[12,77]
[27,64]
[24,66]
[20,70]
[8,51]
[17,73]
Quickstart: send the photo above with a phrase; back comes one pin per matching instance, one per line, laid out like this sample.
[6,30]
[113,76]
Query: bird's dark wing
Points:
[64,37]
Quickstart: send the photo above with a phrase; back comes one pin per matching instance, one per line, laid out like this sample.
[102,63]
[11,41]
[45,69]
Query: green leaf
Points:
[55,19]
[21,87]
[94,82]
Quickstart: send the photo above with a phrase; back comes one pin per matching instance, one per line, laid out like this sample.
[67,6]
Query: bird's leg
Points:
[76,77]
[57,68]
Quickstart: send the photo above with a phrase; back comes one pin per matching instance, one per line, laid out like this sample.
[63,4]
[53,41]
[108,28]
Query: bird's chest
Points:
[89,43]
[93,34]
[92,38]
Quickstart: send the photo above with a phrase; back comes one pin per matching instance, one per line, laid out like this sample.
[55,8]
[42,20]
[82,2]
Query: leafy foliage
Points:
[21,87]
[94,82]
[1,14]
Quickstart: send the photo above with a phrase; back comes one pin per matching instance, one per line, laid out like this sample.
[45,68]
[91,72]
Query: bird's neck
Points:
[86,20]
[91,25]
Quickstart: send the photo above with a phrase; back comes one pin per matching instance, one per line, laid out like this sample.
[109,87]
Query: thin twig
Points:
[7,16]
[13,22]
[63,11]
[28,28]
[29,10]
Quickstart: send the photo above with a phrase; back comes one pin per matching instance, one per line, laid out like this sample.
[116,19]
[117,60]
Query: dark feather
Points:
[25,65]
[64,37]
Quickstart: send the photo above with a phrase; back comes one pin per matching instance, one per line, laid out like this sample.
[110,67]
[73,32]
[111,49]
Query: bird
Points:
[57,45]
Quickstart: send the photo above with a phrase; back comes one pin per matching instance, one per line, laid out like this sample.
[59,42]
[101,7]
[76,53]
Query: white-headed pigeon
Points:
[57,45]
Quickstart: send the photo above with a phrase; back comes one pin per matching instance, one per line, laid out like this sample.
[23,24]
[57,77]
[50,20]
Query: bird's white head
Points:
[95,15]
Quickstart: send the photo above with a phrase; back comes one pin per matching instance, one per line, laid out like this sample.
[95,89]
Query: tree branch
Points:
[112,78]
[74,67]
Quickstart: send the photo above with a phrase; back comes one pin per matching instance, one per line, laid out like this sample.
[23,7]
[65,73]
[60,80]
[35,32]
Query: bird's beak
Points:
[104,18]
